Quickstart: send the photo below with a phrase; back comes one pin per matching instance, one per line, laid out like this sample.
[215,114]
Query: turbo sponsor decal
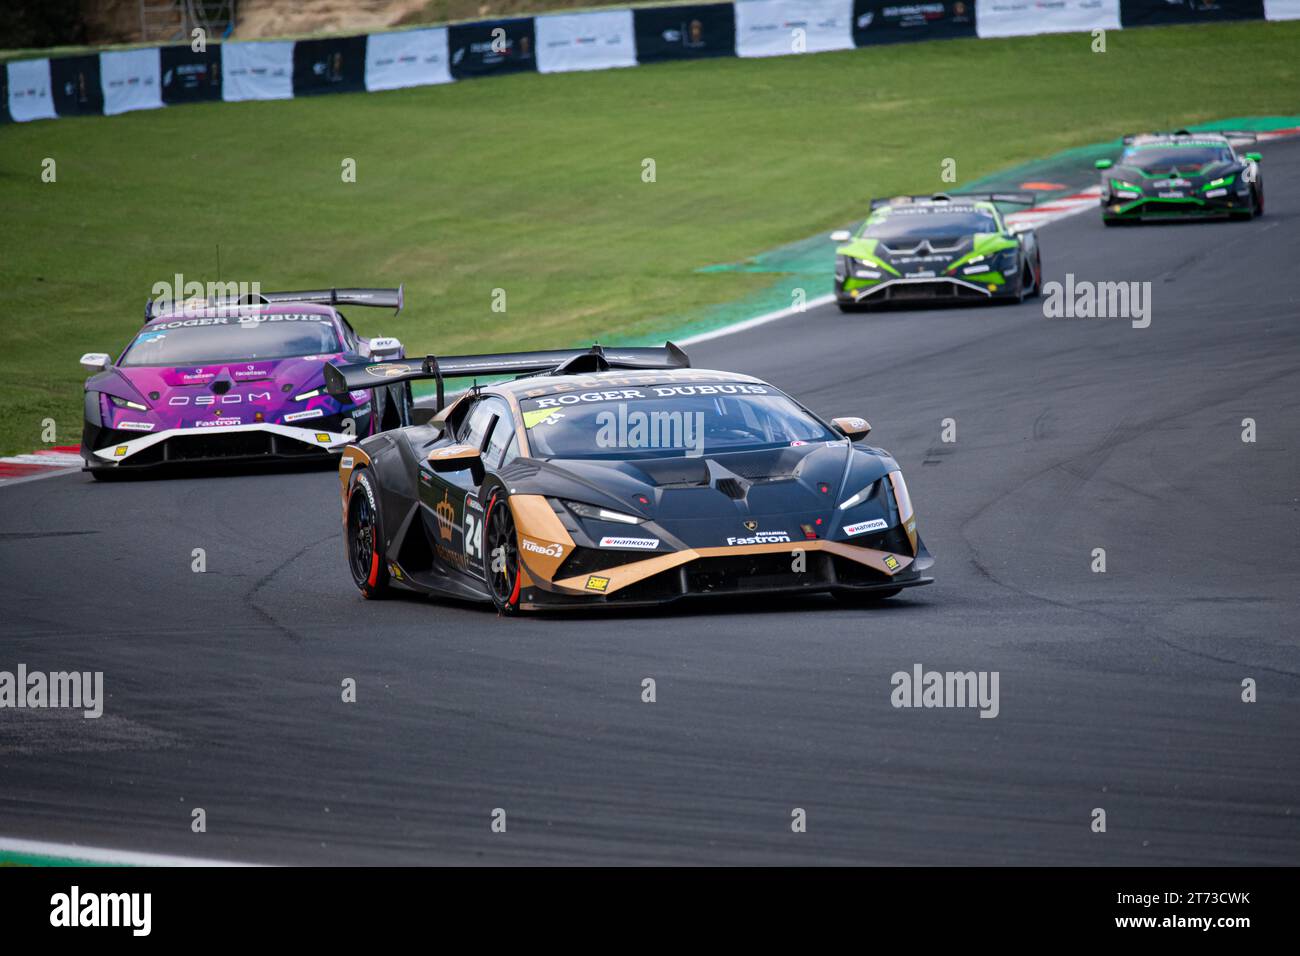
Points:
[862,527]
[762,537]
[310,413]
[597,583]
[640,544]
[549,550]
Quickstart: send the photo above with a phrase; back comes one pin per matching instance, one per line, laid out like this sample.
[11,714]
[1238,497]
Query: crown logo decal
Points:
[446,515]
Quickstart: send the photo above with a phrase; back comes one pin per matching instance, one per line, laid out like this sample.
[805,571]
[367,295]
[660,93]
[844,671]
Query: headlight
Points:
[306,395]
[124,403]
[863,495]
[600,514]
[901,497]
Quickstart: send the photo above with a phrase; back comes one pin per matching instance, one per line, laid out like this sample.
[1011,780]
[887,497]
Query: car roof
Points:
[1181,139]
[939,205]
[533,386]
[204,311]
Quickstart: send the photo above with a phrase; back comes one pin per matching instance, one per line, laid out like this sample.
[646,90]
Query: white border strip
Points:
[83,854]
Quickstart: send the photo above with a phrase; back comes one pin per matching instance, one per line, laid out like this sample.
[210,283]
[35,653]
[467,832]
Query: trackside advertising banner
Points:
[1282,9]
[1141,13]
[884,21]
[492,48]
[31,92]
[685,33]
[4,97]
[330,65]
[407,58]
[190,77]
[782,27]
[132,80]
[585,41]
[1017,18]
[77,90]
[257,71]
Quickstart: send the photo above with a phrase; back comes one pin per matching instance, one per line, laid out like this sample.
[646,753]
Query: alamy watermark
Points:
[626,427]
[922,688]
[77,690]
[1098,300]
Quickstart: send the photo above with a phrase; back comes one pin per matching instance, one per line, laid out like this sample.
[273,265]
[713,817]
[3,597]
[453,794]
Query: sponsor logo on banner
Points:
[684,32]
[131,80]
[1009,18]
[407,58]
[261,70]
[782,27]
[585,41]
[886,21]
[640,544]
[31,94]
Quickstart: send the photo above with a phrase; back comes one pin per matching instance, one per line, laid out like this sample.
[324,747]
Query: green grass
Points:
[533,184]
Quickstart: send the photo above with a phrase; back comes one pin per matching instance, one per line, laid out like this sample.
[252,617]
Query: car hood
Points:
[219,393]
[716,500]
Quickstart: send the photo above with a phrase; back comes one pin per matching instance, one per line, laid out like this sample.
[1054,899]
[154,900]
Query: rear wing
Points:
[1020,199]
[340,379]
[371,298]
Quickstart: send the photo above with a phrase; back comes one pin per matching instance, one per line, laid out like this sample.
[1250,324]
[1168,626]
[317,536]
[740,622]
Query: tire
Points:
[501,573]
[1038,277]
[364,538]
[864,598]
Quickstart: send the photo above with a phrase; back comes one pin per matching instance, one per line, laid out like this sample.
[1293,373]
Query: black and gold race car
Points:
[618,476]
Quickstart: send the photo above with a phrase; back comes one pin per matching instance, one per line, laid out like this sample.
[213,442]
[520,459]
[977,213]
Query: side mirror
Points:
[1255,157]
[451,458]
[1103,164]
[95,361]
[841,235]
[385,348]
[852,428]
[1019,228]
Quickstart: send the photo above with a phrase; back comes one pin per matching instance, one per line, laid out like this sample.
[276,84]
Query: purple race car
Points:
[230,381]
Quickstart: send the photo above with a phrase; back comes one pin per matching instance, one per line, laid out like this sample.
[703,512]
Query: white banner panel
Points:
[585,41]
[1019,18]
[782,27]
[31,95]
[1282,9]
[406,58]
[257,71]
[131,80]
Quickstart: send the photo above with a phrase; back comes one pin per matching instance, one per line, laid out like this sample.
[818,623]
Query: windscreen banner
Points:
[784,27]
[31,91]
[132,80]
[407,58]
[1018,18]
[684,33]
[329,65]
[190,76]
[585,41]
[260,70]
[492,48]
[885,21]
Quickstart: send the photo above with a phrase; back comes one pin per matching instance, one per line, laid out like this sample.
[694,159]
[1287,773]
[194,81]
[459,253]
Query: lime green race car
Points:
[1181,175]
[936,248]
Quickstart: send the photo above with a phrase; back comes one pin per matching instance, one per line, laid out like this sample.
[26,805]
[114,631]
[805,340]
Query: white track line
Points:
[83,854]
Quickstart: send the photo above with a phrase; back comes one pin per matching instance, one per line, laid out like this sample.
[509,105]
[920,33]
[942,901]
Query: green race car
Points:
[1181,175]
[936,248]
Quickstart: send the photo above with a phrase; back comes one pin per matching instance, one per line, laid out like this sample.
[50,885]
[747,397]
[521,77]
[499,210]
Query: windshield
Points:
[661,421]
[203,341]
[921,222]
[1182,157]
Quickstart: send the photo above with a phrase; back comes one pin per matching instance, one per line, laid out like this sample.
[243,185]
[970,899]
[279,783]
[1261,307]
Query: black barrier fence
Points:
[684,33]
[189,76]
[331,65]
[882,21]
[1142,13]
[492,48]
[83,84]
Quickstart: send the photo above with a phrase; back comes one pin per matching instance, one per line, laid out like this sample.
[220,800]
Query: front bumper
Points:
[910,289]
[731,571]
[255,441]
[1181,207]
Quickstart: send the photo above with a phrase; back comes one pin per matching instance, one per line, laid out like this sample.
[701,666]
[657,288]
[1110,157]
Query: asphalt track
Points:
[1119,690]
